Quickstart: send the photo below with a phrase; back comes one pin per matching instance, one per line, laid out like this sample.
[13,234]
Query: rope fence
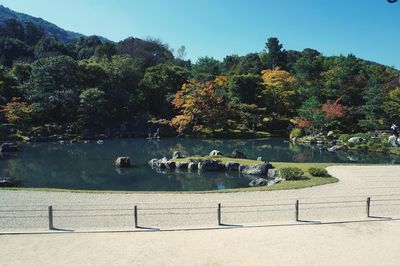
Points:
[219,211]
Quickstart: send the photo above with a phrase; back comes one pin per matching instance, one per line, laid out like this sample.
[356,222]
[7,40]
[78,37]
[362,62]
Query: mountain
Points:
[49,28]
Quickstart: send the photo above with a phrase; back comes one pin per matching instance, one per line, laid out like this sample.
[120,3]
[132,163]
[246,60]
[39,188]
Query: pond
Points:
[89,165]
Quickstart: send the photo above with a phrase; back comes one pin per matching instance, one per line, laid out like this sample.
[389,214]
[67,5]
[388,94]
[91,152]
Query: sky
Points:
[367,28]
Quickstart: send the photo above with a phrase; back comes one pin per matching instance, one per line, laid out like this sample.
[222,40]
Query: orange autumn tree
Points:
[200,107]
[18,112]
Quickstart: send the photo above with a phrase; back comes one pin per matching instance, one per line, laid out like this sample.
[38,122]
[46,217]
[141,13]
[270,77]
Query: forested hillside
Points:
[88,85]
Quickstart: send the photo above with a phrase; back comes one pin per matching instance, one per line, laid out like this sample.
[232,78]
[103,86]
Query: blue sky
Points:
[367,28]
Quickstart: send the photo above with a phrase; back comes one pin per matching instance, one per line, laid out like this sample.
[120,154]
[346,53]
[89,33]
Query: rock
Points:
[159,163]
[9,147]
[215,153]
[271,173]
[274,181]
[210,165]
[392,140]
[330,133]
[153,163]
[258,169]
[182,165]
[8,182]
[193,166]
[334,148]
[357,140]
[170,165]
[238,154]
[123,162]
[232,166]
[259,159]
[258,182]
[177,155]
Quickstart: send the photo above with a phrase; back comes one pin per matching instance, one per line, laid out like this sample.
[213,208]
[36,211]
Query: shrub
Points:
[295,133]
[320,172]
[291,173]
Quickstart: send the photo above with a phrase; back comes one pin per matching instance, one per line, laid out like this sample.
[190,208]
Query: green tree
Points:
[160,83]
[392,104]
[276,56]
[311,111]
[246,88]
[53,85]
[93,109]
[206,69]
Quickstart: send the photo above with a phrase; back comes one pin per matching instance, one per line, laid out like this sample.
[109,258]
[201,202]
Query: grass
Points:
[308,181]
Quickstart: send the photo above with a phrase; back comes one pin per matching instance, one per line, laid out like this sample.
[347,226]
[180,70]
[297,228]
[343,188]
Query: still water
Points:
[89,165]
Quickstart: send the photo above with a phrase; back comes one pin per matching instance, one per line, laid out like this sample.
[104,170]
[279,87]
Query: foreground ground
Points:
[361,243]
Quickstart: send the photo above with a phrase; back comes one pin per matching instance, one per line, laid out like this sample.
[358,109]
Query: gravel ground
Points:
[362,243]
[342,201]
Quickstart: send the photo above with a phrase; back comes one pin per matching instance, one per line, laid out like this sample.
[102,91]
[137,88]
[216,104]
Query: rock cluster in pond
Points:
[264,171]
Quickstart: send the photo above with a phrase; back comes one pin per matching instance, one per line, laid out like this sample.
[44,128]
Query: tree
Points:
[276,56]
[18,112]
[279,90]
[106,50]
[249,64]
[200,107]
[206,69]
[311,111]
[159,84]
[373,107]
[246,88]
[53,85]
[93,109]
[181,53]
[150,52]
[334,111]
[392,104]
[11,50]
[49,46]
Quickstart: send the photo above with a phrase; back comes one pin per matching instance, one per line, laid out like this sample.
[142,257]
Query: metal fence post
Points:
[51,227]
[297,210]
[135,215]
[219,214]
[368,206]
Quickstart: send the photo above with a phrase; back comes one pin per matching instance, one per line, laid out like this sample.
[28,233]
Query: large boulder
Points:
[123,162]
[210,165]
[258,169]
[193,166]
[215,153]
[392,140]
[9,147]
[232,166]
[357,140]
[182,165]
[177,155]
[238,154]
[170,165]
